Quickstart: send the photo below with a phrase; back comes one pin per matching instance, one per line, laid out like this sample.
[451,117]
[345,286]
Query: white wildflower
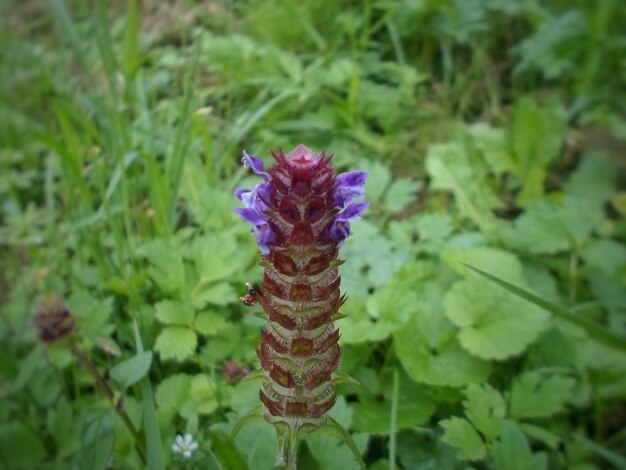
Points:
[184,445]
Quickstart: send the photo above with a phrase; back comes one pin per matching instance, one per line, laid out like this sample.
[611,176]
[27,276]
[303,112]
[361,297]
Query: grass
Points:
[121,130]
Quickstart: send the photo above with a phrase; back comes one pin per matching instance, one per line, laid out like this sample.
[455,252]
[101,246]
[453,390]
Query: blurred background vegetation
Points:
[494,133]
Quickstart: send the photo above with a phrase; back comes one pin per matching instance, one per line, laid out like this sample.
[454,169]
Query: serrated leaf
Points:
[132,370]
[172,392]
[494,323]
[221,293]
[176,342]
[450,168]
[460,434]
[167,268]
[400,194]
[202,396]
[378,178]
[493,144]
[209,323]
[218,256]
[512,451]
[448,364]
[485,408]
[538,134]
[536,395]
[172,312]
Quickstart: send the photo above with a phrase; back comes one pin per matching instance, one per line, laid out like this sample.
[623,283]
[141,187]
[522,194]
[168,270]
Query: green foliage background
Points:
[493,132]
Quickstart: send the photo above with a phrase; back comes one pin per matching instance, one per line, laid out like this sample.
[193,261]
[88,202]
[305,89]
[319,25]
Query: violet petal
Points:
[256,164]
[349,187]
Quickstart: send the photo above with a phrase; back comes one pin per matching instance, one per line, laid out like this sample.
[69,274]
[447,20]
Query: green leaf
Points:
[485,408]
[372,413]
[210,323]
[172,312]
[448,364]
[493,144]
[494,324]
[167,268]
[132,370]
[451,168]
[536,395]
[216,294]
[460,434]
[20,446]
[152,431]
[202,396]
[607,454]
[512,451]
[172,392]
[400,194]
[378,179]
[541,434]
[97,438]
[226,452]
[176,342]
[218,256]
[538,134]
[344,453]
[593,329]
[131,38]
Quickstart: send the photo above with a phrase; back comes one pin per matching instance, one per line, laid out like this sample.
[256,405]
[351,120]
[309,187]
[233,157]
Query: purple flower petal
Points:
[340,228]
[250,215]
[349,187]
[250,161]
[353,211]
[261,229]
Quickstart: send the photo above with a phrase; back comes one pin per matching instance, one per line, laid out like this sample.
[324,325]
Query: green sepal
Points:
[339,316]
[342,378]
[333,428]
[262,315]
[258,374]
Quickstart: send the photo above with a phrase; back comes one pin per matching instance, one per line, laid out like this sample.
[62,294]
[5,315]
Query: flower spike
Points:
[300,216]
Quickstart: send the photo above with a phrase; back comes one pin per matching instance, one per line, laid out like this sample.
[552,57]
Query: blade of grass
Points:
[151,425]
[596,331]
[131,39]
[610,456]
[394,419]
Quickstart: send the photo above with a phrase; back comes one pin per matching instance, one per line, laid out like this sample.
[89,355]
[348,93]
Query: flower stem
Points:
[118,406]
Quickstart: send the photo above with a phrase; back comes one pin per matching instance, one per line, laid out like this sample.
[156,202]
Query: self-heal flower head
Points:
[300,215]
[184,445]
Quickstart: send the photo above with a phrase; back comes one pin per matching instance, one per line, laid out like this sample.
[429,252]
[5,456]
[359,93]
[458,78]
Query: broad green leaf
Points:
[167,268]
[494,324]
[172,392]
[258,444]
[451,168]
[538,134]
[97,438]
[537,395]
[485,408]
[385,311]
[493,260]
[494,146]
[541,434]
[63,427]
[448,364]
[378,179]
[173,312]
[225,451]
[372,413]
[433,230]
[21,446]
[596,331]
[132,370]
[400,194]
[217,294]
[176,342]
[460,434]
[218,256]
[512,451]
[202,396]
[331,453]
[605,256]
[209,323]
